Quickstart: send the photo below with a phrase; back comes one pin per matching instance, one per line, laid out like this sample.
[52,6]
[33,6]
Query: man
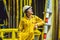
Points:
[28,24]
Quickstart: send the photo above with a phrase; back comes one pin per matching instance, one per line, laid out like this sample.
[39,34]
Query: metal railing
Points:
[2,31]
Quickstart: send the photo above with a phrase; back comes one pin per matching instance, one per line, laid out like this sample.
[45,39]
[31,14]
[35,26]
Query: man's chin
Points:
[32,13]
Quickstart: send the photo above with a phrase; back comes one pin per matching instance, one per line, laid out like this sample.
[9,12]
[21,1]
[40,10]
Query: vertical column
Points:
[30,2]
[17,16]
[45,27]
[13,35]
[27,2]
[53,20]
[13,9]
[59,18]
[34,6]
[24,2]
[9,13]
[2,35]
[20,9]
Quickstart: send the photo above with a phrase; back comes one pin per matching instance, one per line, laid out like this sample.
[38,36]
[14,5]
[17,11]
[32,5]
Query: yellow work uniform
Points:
[26,27]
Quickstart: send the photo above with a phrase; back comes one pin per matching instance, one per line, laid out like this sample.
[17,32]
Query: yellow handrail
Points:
[2,31]
[8,30]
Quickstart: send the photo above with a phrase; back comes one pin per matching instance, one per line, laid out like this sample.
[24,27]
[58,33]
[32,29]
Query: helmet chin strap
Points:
[28,16]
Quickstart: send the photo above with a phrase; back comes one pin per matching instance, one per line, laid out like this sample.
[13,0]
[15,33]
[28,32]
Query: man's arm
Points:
[40,22]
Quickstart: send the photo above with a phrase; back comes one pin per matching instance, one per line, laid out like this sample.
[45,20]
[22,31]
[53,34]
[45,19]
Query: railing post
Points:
[13,35]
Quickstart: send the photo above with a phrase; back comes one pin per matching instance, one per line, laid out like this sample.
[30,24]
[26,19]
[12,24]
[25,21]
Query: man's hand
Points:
[35,27]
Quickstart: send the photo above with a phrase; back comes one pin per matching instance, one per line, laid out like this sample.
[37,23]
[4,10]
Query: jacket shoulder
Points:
[35,16]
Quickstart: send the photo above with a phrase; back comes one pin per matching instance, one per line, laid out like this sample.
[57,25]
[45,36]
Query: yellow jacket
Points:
[26,27]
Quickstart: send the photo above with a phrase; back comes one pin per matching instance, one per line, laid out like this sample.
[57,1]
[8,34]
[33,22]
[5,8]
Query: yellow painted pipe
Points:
[53,21]
[27,2]
[4,1]
[17,17]
[1,34]
[46,2]
[10,39]
[34,6]
[6,22]
[1,24]
[9,30]
[30,2]
[24,2]
[57,16]
[13,13]
[20,9]
[9,13]
[13,35]
[7,10]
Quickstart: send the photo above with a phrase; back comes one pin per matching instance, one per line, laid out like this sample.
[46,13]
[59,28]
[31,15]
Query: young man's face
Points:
[29,11]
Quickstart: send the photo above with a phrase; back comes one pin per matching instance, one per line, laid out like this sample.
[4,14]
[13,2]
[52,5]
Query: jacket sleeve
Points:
[21,26]
[40,22]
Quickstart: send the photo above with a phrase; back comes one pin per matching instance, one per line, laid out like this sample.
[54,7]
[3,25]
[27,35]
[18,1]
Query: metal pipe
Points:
[17,16]
[20,9]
